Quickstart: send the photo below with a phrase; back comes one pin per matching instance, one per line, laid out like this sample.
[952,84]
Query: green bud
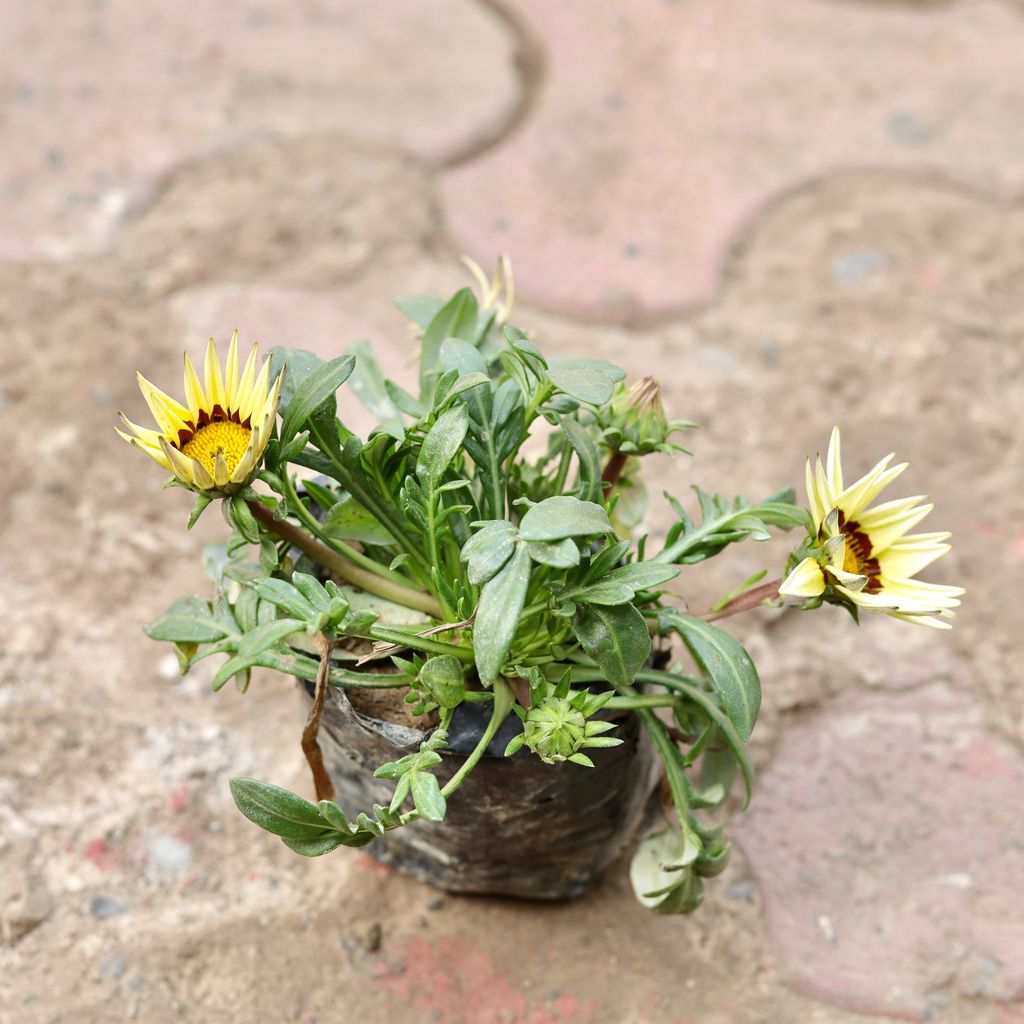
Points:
[554,729]
[634,421]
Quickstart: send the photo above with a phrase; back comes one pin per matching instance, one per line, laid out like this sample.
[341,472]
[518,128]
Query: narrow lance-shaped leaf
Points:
[727,664]
[441,445]
[319,387]
[497,615]
[589,485]
[457,318]
[278,810]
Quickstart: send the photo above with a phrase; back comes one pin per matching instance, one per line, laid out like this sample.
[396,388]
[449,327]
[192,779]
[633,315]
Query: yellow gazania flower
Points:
[215,443]
[867,555]
[500,292]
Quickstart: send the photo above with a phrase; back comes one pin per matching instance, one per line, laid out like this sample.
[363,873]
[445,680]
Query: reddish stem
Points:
[744,602]
[613,469]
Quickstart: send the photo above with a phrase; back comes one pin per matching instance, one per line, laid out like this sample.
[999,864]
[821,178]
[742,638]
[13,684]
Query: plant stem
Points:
[303,668]
[345,550]
[341,567]
[627,703]
[743,602]
[503,700]
[310,747]
[613,469]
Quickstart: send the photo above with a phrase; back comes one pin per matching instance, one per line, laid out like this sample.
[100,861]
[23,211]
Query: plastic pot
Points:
[516,826]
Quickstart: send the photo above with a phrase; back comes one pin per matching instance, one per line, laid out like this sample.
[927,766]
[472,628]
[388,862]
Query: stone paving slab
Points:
[887,841]
[661,129]
[102,100]
[890,302]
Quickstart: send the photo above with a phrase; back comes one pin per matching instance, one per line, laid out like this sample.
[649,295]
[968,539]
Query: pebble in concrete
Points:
[886,840]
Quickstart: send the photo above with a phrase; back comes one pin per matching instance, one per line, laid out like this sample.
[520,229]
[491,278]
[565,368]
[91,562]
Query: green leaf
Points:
[465,383]
[606,593]
[427,796]
[561,554]
[563,516]
[242,519]
[623,584]
[232,667]
[441,445]
[661,872]
[264,637]
[589,486]
[725,522]
[188,620]
[497,615]
[285,596]
[277,810]
[457,318]
[348,520]
[315,847]
[333,815]
[587,380]
[441,678]
[727,664]
[462,356]
[420,309]
[642,575]
[368,382]
[202,501]
[616,638]
[317,389]
[489,549]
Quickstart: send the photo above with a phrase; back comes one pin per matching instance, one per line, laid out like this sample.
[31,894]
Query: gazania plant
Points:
[476,563]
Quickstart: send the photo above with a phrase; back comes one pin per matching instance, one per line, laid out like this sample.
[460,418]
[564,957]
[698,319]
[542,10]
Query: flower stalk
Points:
[341,567]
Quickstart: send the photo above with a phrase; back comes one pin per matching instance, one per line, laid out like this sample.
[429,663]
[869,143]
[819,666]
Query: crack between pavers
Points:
[529,63]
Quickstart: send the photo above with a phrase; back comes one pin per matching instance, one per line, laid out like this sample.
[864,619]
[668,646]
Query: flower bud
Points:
[634,422]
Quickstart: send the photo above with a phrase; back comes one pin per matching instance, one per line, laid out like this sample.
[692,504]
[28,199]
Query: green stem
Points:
[341,567]
[343,549]
[623,703]
[669,755]
[305,668]
[401,638]
[503,701]
[383,510]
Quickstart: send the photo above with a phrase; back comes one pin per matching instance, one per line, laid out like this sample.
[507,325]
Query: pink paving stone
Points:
[100,99]
[887,839]
[661,128]
[295,319]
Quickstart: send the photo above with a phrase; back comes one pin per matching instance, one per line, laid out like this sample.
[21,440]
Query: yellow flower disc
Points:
[224,436]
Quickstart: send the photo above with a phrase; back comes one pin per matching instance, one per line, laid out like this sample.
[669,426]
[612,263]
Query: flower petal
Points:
[806,580]
[221,475]
[201,476]
[194,394]
[169,414]
[244,389]
[180,465]
[818,509]
[859,495]
[850,580]
[231,375]
[153,452]
[834,469]
[258,395]
[214,381]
